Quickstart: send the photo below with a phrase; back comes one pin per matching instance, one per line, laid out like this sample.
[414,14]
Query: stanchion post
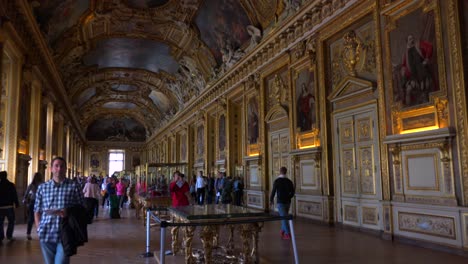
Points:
[147,253]
[162,252]
[293,238]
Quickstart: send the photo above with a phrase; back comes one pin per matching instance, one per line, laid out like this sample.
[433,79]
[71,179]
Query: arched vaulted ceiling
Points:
[130,65]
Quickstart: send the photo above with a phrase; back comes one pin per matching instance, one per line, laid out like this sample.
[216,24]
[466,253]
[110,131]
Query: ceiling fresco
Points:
[132,53]
[146,3]
[136,63]
[56,16]
[119,105]
[116,129]
[222,24]
[120,87]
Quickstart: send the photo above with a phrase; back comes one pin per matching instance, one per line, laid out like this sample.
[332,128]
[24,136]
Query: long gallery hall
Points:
[249,131]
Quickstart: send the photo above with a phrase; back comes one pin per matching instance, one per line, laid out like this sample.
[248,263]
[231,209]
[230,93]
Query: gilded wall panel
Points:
[366,173]
[351,213]
[370,215]
[277,88]
[433,225]
[309,208]
[353,53]
[350,183]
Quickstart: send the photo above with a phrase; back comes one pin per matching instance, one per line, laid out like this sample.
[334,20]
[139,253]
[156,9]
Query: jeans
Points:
[30,217]
[53,253]
[283,209]
[200,196]
[9,213]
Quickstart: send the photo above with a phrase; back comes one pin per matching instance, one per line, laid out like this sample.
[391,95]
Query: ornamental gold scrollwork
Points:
[395,150]
[442,111]
[351,54]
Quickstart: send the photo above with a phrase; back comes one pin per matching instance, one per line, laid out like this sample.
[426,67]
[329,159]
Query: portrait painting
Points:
[222,24]
[413,53]
[222,133]
[136,160]
[25,105]
[306,107]
[252,120]
[183,147]
[94,162]
[200,141]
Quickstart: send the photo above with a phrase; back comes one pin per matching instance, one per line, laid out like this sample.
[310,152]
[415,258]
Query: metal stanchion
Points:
[148,254]
[162,253]
[293,238]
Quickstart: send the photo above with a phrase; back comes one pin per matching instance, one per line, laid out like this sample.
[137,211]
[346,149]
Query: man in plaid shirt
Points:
[52,200]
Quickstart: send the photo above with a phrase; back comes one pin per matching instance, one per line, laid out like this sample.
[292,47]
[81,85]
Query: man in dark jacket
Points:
[284,190]
[8,202]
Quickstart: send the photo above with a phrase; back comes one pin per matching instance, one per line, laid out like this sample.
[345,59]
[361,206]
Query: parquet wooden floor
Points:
[117,241]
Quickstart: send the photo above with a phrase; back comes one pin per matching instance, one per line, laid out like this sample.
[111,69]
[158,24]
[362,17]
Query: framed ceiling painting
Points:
[416,65]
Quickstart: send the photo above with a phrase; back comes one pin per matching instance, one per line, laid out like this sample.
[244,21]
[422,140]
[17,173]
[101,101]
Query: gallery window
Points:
[116,160]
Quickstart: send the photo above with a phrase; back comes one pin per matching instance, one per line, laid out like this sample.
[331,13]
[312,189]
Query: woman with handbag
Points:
[30,198]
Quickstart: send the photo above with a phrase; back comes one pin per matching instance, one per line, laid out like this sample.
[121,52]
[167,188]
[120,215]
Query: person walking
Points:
[8,203]
[53,200]
[91,193]
[29,199]
[283,188]
[179,189]
[200,186]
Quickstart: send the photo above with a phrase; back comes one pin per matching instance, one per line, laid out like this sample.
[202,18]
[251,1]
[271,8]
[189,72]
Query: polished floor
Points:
[123,241]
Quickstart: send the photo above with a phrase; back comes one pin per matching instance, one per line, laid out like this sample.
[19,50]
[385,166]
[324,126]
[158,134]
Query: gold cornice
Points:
[24,7]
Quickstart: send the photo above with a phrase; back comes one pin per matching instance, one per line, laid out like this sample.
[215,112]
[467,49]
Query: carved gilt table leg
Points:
[189,232]
[246,236]
[216,236]
[175,240]
[256,228]
[207,234]
[230,244]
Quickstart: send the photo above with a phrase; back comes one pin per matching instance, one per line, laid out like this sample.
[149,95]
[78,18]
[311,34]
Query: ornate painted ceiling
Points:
[128,66]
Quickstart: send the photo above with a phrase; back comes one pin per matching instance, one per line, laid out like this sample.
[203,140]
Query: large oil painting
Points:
[56,16]
[414,62]
[222,133]
[116,129]
[94,161]
[222,25]
[25,106]
[252,119]
[200,141]
[132,53]
[306,107]
[183,147]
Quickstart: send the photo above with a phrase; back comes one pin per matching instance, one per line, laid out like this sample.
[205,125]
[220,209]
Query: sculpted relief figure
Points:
[230,56]
[255,37]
